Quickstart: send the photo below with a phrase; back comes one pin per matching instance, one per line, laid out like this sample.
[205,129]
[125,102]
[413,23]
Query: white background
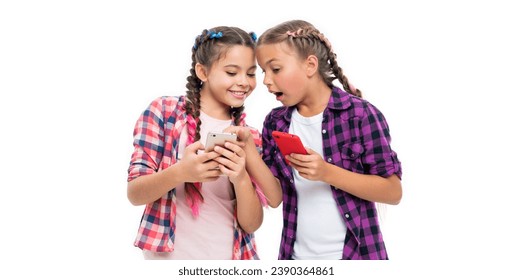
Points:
[75,75]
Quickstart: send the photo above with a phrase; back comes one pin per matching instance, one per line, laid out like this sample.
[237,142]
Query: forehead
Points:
[274,52]
[237,55]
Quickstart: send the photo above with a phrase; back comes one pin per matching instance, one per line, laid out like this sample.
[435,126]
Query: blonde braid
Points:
[303,37]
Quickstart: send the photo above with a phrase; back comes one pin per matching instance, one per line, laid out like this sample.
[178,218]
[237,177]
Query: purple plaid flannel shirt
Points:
[355,137]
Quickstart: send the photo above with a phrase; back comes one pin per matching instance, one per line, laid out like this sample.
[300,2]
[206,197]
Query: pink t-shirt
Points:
[209,236]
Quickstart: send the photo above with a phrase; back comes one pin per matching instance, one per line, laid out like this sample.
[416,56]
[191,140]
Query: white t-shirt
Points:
[320,228]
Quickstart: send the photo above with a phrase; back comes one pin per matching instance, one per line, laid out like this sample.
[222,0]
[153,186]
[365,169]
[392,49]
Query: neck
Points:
[315,101]
[213,108]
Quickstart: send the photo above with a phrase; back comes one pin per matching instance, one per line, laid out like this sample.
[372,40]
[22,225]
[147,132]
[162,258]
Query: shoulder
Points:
[363,108]
[353,106]
[168,101]
[166,105]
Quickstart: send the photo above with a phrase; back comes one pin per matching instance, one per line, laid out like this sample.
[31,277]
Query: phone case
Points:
[288,143]
[218,138]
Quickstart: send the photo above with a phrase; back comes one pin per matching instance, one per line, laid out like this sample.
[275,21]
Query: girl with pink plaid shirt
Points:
[199,205]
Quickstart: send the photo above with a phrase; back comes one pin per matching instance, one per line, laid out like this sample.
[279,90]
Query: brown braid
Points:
[308,40]
[236,114]
[193,106]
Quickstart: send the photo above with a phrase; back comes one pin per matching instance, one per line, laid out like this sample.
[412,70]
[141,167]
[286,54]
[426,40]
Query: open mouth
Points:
[278,94]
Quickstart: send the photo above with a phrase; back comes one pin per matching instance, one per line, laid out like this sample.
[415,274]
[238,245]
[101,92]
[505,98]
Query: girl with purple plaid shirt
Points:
[329,195]
[199,205]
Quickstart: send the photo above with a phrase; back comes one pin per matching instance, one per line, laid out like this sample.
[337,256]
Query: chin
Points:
[236,103]
[287,103]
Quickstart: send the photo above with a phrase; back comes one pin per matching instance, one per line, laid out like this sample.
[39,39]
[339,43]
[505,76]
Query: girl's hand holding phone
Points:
[311,166]
[199,167]
[232,162]
[288,144]
[218,139]
[306,161]
[243,134]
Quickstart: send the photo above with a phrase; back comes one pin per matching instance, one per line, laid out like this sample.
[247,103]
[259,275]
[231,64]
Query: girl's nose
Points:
[243,81]
[267,80]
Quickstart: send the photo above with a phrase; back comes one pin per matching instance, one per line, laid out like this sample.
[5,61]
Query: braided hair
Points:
[307,40]
[209,47]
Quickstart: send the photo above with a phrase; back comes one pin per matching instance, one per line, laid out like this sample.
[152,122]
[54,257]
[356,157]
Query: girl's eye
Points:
[231,73]
[276,70]
[251,75]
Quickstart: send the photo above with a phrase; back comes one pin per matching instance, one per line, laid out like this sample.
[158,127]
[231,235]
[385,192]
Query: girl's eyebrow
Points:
[232,65]
[270,61]
[238,66]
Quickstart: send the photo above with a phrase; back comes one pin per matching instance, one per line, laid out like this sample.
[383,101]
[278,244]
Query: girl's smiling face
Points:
[229,81]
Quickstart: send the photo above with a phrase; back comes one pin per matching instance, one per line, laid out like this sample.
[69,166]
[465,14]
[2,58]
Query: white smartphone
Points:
[218,139]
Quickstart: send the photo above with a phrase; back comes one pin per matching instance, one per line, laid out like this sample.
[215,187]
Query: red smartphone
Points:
[288,143]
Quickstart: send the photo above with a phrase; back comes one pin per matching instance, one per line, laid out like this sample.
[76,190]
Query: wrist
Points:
[249,146]
[242,180]
[333,174]
[175,173]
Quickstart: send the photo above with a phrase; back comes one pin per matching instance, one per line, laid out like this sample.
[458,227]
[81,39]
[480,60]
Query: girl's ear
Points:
[312,64]
[201,72]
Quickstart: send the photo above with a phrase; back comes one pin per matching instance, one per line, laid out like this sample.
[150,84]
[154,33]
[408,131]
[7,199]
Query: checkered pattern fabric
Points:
[355,137]
[156,138]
